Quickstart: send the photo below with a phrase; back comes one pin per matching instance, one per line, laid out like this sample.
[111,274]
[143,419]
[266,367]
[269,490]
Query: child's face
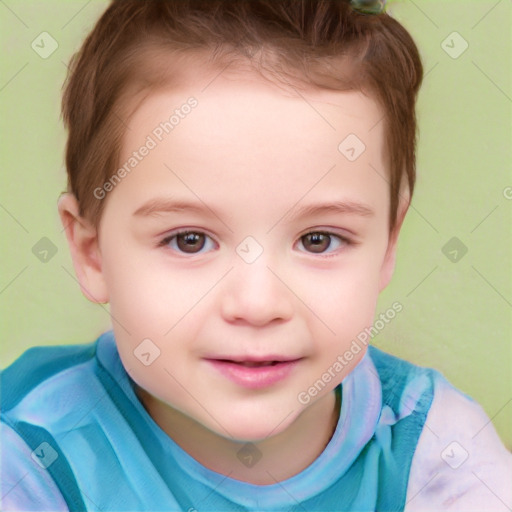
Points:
[248,158]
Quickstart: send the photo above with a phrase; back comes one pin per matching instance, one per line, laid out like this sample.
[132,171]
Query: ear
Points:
[388,265]
[82,239]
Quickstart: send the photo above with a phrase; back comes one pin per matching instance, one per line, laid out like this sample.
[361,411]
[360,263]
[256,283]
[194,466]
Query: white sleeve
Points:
[460,463]
[24,484]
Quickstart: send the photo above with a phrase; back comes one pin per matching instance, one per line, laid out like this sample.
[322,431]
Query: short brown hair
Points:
[329,44]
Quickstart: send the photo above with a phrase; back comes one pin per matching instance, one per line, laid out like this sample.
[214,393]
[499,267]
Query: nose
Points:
[255,295]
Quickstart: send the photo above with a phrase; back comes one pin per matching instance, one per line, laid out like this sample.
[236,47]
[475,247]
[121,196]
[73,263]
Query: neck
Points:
[263,462]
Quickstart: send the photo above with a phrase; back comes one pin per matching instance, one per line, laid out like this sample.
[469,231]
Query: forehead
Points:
[253,137]
[229,101]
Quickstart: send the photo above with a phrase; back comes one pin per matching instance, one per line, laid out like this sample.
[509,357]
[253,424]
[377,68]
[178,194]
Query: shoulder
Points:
[395,369]
[460,463]
[406,387]
[46,392]
[48,387]
[45,373]
[37,366]
[25,485]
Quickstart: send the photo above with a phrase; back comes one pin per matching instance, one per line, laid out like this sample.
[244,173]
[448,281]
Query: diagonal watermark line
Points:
[491,285]
[486,14]
[424,14]
[491,80]
[96,300]
[491,490]
[380,120]
[15,485]
[194,305]
[277,426]
[301,301]
[13,279]
[300,199]
[70,223]
[90,499]
[410,204]
[76,14]
[14,218]
[214,488]
[423,280]
[14,76]
[423,217]
[19,19]
[216,76]
[206,206]
[421,490]
[488,215]
[286,491]
[430,70]
[382,176]
[295,89]
[120,120]
[199,403]
[490,419]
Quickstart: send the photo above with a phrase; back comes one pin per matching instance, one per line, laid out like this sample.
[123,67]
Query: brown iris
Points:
[319,242]
[190,242]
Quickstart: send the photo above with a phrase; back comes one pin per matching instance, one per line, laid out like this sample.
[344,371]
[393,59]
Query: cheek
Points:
[145,293]
[164,304]
[342,303]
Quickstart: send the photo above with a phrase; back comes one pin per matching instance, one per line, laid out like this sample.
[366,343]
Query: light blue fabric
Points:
[111,455]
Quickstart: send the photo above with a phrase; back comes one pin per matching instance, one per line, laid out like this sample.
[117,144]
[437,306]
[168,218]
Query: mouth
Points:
[256,364]
[254,374]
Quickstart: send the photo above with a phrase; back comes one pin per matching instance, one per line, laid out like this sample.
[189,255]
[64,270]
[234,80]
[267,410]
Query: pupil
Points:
[319,241]
[190,242]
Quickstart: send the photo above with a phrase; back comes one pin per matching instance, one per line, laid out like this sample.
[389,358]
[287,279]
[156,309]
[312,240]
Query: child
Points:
[210,143]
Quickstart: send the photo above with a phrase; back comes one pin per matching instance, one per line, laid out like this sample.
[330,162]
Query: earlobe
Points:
[82,239]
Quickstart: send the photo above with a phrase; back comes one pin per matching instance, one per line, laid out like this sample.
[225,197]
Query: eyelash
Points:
[347,242]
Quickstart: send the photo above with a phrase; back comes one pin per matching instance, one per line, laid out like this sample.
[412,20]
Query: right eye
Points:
[187,242]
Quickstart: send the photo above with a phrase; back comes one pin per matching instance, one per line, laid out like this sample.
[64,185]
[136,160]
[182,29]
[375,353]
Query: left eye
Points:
[318,242]
[188,242]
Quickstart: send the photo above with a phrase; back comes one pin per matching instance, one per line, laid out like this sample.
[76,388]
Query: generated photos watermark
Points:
[152,140]
[343,360]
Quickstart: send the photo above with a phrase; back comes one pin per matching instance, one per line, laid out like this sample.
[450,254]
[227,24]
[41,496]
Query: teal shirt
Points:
[75,436]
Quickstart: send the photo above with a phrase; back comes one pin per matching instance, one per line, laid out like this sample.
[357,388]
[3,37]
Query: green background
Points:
[456,316]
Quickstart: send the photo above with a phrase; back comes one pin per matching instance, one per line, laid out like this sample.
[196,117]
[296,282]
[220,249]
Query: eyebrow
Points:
[339,207]
[165,205]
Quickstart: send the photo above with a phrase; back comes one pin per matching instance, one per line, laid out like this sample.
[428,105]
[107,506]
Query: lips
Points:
[254,374]
[255,364]
[248,358]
